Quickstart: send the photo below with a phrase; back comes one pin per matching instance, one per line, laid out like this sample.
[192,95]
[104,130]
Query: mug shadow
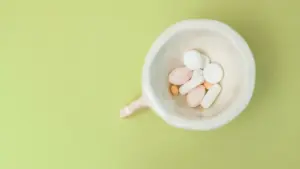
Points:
[263,47]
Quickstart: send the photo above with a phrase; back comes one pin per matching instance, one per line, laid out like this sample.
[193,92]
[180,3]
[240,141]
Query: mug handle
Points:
[134,106]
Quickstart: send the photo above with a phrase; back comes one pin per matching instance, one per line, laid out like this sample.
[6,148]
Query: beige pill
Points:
[180,76]
[195,96]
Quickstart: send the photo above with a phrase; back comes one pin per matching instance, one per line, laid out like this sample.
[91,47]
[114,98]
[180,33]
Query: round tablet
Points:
[206,60]
[213,73]
[193,60]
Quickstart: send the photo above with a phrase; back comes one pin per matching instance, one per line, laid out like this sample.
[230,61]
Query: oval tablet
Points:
[195,96]
[211,96]
[213,73]
[197,79]
[179,76]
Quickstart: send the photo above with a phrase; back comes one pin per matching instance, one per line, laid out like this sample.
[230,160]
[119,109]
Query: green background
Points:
[67,67]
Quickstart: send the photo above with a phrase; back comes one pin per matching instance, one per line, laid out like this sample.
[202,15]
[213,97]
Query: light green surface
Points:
[67,67]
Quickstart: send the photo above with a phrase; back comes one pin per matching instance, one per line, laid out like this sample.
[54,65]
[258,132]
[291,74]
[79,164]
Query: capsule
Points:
[211,96]
[197,79]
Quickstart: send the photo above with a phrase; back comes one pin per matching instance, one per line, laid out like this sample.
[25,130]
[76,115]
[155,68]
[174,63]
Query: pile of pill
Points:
[198,79]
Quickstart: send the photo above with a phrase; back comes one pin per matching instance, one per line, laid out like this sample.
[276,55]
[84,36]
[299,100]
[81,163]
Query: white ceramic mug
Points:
[223,45]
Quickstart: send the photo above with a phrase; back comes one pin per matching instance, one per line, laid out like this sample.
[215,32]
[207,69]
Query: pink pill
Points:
[180,76]
[195,96]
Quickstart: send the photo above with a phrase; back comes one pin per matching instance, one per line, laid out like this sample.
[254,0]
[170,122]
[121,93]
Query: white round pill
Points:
[213,73]
[193,60]
[206,60]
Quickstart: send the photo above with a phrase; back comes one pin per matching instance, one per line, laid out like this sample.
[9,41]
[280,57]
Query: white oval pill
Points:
[211,96]
[196,80]
[213,73]
[193,60]
[195,96]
